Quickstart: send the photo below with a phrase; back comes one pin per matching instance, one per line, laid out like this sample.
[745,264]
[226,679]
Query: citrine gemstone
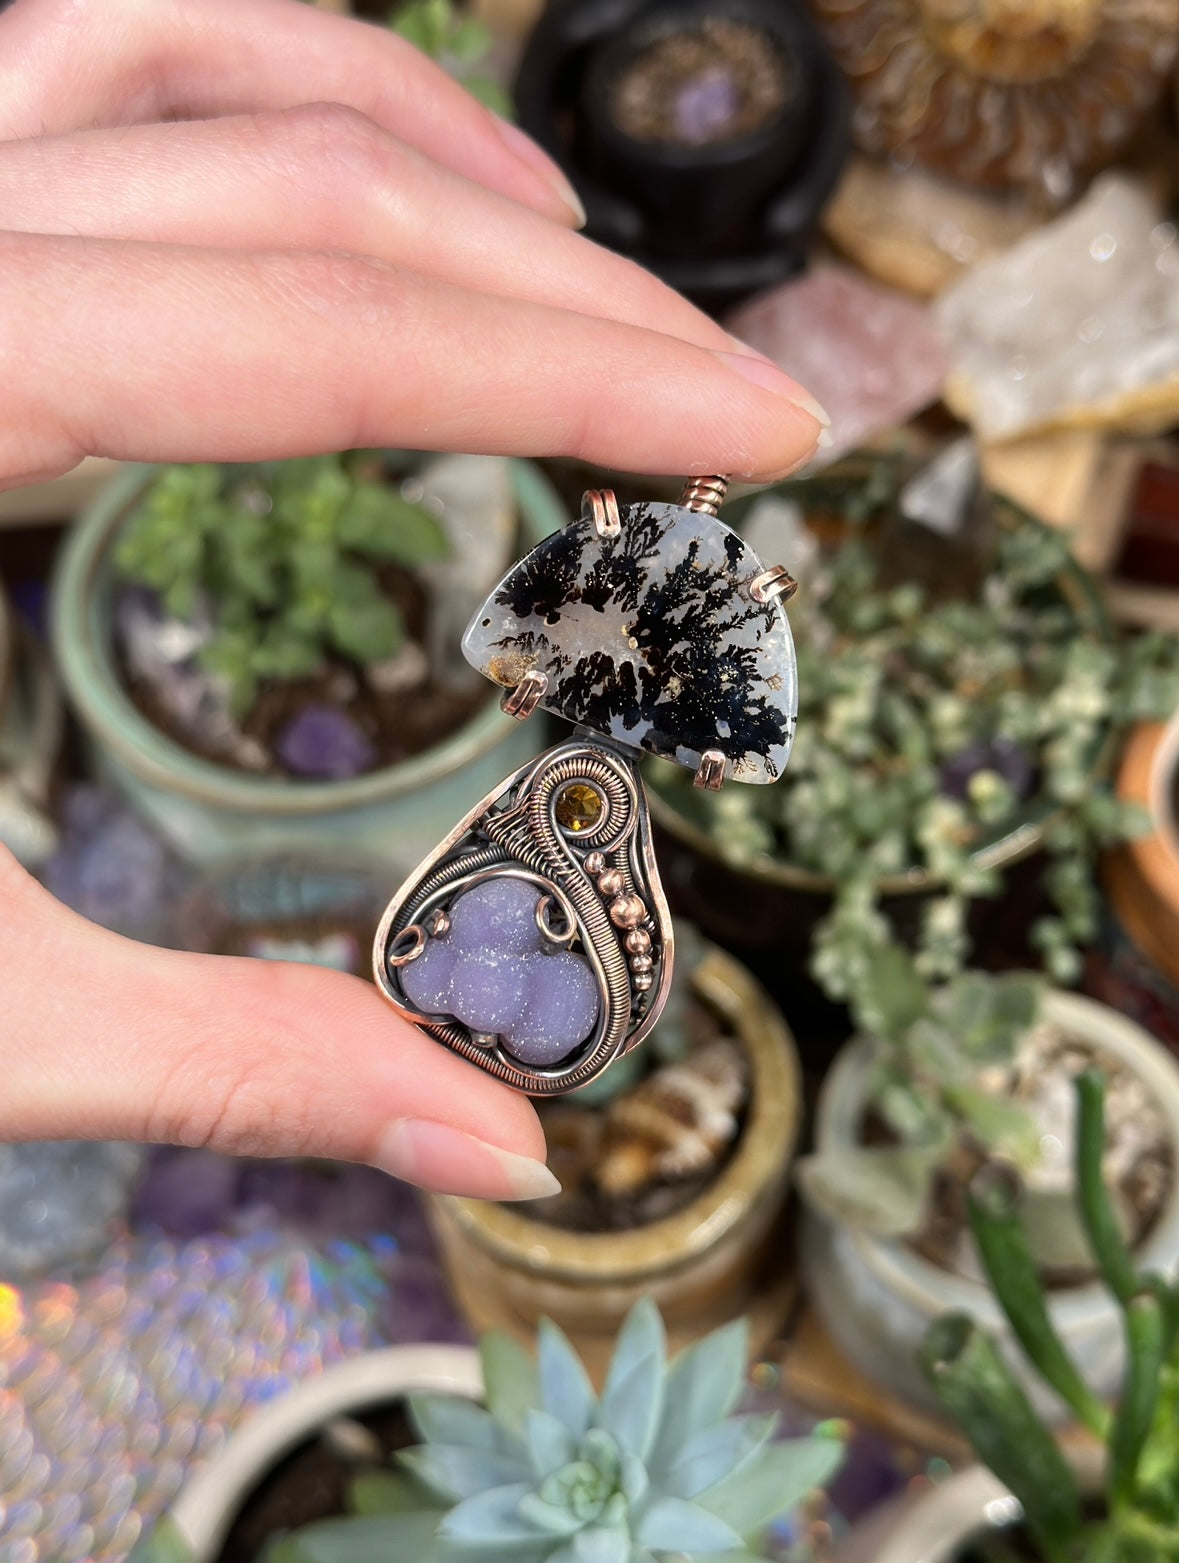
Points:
[579,807]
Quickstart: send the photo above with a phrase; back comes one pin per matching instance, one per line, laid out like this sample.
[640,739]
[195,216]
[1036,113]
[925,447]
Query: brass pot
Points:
[703,1265]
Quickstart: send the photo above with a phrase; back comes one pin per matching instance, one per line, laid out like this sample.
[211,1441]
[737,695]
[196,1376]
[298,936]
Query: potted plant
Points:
[268,655]
[30,736]
[543,1471]
[960,700]
[703,138]
[1123,1507]
[941,1082]
[675,1168]
[1142,876]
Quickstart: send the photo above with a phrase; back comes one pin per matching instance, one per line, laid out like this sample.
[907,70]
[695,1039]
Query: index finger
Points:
[65,66]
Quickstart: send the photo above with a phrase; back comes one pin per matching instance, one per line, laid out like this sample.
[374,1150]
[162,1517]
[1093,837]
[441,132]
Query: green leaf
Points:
[1005,1127]
[511,1379]
[718,1452]
[776,1481]
[1015,1280]
[1101,1221]
[410,1538]
[491,1518]
[703,1384]
[883,1190]
[163,1544]
[565,1389]
[285,653]
[384,1492]
[980,1392]
[380,523]
[898,996]
[452,1419]
[367,632]
[454,1471]
[491,95]
[675,1525]
[1139,1398]
[632,1399]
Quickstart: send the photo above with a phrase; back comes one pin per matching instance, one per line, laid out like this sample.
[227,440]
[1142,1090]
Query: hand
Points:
[334,247]
[242,229]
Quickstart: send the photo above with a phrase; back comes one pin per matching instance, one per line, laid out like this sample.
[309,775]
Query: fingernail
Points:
[436,1156]
[766,374]
[534,158]
[770,377]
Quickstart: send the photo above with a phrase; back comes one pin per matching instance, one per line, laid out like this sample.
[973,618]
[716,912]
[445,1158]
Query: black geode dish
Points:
[704,137]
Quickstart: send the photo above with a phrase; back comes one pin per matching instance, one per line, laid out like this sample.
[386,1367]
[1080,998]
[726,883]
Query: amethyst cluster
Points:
[494,971]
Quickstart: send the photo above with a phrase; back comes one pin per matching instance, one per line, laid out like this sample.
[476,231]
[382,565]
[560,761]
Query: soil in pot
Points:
[654,1147]
[716,82]
[1140,1158]
[343,716]
[313,1481]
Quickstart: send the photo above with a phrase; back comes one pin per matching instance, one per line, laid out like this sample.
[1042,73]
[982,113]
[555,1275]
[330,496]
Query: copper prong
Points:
[710,773]
[777,581]
[705,494]
[523,700]
[600,505]
[438,923]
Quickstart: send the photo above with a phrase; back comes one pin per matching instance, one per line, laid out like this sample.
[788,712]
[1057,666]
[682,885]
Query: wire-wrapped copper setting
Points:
[705,495]
[777,581]
[516,831]
[710,773]
[600,505]
[523,700]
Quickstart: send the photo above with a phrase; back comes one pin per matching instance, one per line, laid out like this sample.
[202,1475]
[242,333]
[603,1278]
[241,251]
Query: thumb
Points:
[103,1038]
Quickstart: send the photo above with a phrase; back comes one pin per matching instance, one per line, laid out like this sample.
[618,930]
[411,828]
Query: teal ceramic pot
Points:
[211,812]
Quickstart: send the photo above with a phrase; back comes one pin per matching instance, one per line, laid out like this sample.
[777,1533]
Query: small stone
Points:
[1000,755]
[488,989]
[706,107]
[496,974]
[409,669]
[1077,325]
[323,742]
[499,913]
[650,638]
[870,354]
[426,980]
[579,807]
[561,1010]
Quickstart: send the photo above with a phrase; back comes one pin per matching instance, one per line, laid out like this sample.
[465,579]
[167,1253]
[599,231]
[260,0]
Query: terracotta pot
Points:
[209,811]
[888,1295]
[702,1265]
[195,1527]
[1142,876]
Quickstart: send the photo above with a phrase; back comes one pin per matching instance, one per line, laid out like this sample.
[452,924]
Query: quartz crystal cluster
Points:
[494,971]
[1076,326]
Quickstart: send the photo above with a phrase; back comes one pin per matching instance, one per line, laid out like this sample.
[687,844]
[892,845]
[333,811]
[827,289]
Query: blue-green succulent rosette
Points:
[659,1465]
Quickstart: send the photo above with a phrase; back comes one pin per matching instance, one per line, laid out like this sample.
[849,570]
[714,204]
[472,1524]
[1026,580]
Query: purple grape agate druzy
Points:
[494,972]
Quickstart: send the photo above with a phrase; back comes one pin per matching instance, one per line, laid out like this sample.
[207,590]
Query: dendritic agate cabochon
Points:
[650,638]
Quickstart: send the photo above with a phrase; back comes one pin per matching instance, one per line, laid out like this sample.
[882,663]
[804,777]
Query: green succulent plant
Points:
[459,43]
[1134,1516]
[656,1467]
[284,559]
[934,1044]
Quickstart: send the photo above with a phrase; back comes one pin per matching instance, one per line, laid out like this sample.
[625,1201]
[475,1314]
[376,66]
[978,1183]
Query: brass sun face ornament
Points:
[535,940]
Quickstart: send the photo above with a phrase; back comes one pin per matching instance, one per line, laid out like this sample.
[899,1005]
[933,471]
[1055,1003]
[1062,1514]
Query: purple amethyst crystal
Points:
[494,971]
[324,742]
[706,106]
